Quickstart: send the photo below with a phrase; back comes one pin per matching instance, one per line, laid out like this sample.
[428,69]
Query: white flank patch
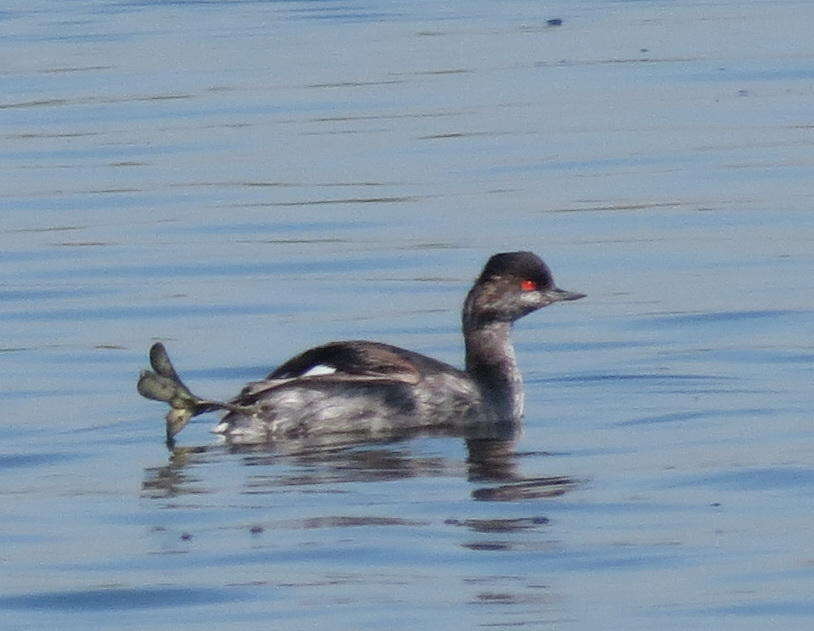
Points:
[319,369]
[220,428]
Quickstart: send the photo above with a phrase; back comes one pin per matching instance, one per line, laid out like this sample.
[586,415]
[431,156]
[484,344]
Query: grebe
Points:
[360,386]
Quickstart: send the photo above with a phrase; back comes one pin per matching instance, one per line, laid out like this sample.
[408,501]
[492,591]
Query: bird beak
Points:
[557,295]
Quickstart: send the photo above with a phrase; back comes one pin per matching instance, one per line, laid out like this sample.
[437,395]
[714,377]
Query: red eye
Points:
[528,285]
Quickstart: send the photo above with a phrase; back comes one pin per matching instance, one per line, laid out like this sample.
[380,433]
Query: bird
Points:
[363,386]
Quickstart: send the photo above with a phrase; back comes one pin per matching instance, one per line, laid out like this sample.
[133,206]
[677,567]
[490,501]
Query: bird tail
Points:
[162,383]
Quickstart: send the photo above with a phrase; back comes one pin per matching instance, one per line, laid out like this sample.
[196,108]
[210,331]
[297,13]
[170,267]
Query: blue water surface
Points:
[242,180]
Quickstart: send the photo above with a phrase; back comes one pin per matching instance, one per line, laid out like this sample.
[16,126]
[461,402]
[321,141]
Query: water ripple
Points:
[679,417]
[121,599]
[755,479]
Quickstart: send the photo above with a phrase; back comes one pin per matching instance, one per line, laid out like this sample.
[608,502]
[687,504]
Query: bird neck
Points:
[491,362]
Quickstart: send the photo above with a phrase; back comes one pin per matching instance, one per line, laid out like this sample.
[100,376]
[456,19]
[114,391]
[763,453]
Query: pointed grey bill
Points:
[557,295]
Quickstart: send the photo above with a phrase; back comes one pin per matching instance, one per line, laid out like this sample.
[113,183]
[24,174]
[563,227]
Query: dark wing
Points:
[345,362]
[356,359]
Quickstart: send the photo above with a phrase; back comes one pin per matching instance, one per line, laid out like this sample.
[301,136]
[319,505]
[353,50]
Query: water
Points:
[244,179]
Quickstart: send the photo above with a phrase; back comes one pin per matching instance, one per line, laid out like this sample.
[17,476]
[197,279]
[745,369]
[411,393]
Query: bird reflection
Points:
[492,464]
[495,460]
[174,478]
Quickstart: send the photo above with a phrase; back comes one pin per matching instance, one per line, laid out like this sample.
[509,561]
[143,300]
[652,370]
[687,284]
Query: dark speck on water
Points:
[245,180]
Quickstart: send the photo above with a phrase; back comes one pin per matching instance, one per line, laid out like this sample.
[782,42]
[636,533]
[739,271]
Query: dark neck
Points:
[491,362]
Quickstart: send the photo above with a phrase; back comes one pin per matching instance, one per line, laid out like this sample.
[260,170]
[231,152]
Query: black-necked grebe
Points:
[360,386]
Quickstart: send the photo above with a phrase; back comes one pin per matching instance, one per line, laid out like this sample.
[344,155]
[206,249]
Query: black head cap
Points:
[522,265]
